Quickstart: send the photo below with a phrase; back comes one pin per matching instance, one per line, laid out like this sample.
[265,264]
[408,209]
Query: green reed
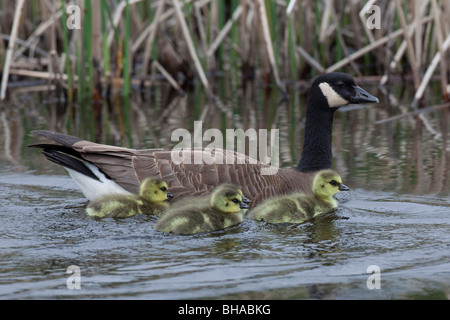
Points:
[327,31]
[126,54]
[65,38]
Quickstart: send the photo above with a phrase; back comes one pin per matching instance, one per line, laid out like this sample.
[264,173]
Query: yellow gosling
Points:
[300,207]
[220,210]
[152,199]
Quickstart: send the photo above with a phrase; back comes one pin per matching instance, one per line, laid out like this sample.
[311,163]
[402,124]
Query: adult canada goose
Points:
[300,207]
[220,210]
[100,169]
[152,199]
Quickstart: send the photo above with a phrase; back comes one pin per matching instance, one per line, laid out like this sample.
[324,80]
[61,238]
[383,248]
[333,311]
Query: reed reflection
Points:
[405,155]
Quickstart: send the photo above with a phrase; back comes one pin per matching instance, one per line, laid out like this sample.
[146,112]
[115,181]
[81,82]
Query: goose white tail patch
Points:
[334,99]
[93,188]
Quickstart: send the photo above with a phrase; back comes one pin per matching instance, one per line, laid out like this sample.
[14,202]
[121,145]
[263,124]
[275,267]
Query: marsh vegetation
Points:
[93,49]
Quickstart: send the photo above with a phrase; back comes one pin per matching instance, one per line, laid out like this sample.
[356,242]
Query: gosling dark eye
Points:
[340,84]
[164,189]
[236,200]
[333,183]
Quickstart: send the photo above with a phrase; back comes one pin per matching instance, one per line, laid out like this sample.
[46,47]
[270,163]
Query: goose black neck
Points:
[316,154]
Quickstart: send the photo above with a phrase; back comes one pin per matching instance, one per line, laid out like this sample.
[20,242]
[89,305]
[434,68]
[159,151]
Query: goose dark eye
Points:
[235,200]
[339,84]
[333,183]
[164,189]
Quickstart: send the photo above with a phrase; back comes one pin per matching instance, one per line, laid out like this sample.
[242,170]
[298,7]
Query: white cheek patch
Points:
[333,98]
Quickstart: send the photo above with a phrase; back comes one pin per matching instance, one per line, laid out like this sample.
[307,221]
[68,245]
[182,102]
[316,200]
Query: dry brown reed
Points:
[276,42]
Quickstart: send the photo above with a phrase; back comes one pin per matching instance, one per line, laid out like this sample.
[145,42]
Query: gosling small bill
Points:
[222,209]
[152,199]
[300,207]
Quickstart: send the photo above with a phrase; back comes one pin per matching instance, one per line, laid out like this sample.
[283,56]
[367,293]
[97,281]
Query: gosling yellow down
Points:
[220,210]
[152,199]
[205,198]
[300,207]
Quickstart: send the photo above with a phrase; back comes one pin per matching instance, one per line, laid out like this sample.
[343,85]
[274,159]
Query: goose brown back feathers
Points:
[128,167]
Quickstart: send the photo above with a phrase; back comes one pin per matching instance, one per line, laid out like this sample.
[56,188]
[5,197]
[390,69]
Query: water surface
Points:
[396,217]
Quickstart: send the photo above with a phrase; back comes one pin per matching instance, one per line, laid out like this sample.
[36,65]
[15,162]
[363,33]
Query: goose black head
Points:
[328,92]
[339,89]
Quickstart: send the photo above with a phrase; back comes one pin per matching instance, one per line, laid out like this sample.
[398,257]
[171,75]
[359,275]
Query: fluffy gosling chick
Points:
[220,210]
[152,199]
[186,201]
[300,207]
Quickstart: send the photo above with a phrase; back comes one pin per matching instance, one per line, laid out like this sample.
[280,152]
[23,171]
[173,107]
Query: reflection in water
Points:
[395,217]
[408,155]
